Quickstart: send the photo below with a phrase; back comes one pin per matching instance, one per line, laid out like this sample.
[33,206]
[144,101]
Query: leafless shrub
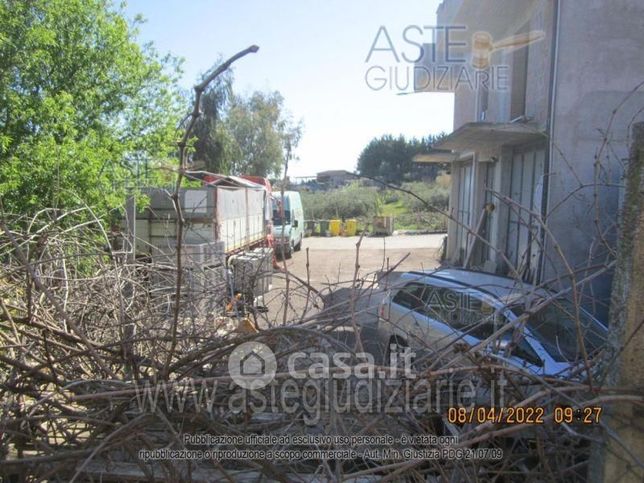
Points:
[73,377]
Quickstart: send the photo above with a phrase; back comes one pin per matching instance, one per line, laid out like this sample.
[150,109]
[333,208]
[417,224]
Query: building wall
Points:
[599,62]
[489,16]
[539,64]
[501,19]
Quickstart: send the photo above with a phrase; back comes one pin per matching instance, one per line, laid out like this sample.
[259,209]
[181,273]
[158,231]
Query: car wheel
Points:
[288,253]
[298,247]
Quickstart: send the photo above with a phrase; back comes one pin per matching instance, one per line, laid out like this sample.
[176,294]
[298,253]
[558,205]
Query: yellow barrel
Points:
[334,227]
[351,227]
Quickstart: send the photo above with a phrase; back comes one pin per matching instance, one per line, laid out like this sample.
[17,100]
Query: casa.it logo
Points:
[252,365]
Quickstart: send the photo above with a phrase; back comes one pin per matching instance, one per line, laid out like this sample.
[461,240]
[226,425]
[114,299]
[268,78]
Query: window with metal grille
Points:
[526,188]
[488,250]
[463,214]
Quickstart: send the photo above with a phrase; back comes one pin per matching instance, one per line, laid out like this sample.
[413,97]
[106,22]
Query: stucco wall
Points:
[539,62]
[501,19]
[600,61]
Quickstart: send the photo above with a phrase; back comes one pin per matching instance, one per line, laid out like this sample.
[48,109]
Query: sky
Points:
[315,53]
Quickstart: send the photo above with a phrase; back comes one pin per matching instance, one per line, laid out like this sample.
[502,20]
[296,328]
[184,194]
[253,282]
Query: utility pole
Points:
[128,327]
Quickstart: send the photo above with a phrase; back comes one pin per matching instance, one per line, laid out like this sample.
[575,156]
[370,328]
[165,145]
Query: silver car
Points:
[437,309]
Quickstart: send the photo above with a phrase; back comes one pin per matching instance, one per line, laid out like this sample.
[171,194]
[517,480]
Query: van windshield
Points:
[277,214]
[277,218]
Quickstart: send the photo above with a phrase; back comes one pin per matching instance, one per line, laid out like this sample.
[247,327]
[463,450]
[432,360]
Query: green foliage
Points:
[390,158]
[422,220]
[437,196]
[214,144]
[394,208]
[362,202]
[263,132]
[239,135]
[352,201]
[357,201]
[412,214]
[80,103]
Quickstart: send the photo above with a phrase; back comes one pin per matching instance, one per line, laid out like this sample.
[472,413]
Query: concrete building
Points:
[334,178]
[426,171]
[544,99]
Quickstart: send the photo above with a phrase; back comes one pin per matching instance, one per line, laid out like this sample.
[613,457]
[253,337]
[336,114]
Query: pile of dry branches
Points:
[105,360]
[87,337]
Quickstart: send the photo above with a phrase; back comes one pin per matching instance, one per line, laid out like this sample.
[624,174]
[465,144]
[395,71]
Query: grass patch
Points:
[365,202]
[396,208]
[421,220]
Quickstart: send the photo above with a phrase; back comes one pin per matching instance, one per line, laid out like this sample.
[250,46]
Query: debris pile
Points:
[100,381]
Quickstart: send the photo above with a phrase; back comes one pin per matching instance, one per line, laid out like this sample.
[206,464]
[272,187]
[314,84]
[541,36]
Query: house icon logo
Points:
[252,365]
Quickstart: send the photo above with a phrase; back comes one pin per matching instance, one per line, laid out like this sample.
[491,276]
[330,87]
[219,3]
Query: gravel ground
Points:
[332,260]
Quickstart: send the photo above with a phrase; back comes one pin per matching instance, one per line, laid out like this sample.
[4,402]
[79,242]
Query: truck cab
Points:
[288,223]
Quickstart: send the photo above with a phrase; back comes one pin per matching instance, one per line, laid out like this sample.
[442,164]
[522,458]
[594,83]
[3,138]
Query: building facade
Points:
[545,92]
[334,178]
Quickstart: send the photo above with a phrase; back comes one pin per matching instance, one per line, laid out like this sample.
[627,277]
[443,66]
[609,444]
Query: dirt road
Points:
[332,265]
[333,260]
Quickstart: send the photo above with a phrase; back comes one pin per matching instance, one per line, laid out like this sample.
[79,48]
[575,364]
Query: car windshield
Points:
[555,328]
[464,312]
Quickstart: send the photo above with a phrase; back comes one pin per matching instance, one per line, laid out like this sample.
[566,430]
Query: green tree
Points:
[213,146]
[260,131]
[390,158]
[81,103]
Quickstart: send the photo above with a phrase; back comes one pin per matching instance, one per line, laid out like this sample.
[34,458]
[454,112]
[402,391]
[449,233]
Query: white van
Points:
[289,232]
